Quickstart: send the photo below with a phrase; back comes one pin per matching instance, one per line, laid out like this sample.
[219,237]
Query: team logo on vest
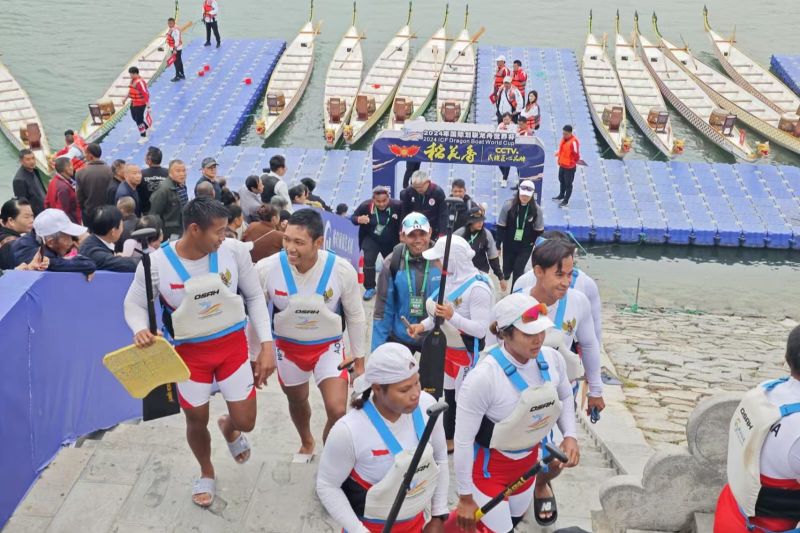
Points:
[307,322]
[207,310]
[539,421]
[569,326]
[417,487]
[328,295]
[457,302]
[226,277]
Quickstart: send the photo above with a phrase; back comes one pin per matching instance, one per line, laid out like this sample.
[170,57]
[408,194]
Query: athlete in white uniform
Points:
[507,405]
[763,490]
[369,450]
[466,321]
[311,290]
[581,281]
[197,280]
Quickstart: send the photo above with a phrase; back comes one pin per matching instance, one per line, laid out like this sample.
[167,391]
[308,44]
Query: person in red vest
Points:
[139,95]
[210,12]
[502,72]
[175,42]
[568,157]
[62,193]
[74,149]
[507,99]
[518,76]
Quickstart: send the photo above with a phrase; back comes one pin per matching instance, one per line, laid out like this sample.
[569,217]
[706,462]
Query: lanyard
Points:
[474,236]
[378,217]
[411,287]
[520,226]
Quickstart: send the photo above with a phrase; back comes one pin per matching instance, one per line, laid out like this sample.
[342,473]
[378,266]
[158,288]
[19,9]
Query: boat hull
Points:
[457,82]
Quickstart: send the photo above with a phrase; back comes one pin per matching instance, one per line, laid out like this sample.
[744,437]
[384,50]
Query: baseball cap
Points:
[507,79]
[459,247]
[209,162]
[522,311]
[389,363]
[52,221]
[500,58]
[526,188]
[475,214]
[415,221]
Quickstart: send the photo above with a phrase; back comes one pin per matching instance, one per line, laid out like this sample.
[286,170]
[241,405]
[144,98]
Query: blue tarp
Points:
[55,329]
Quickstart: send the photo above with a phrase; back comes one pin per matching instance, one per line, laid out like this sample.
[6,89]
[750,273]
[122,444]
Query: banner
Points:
[341,236]
[464,144]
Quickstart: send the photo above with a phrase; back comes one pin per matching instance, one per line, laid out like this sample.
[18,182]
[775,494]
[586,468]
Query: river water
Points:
[65,55]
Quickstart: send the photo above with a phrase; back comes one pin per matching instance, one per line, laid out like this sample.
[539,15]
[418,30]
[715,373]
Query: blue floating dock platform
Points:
[787,68]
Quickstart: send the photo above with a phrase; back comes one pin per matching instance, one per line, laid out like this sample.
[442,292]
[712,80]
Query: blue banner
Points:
[341,236]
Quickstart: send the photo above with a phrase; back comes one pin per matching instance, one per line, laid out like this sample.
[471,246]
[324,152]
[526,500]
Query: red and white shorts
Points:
[223,360]
[728,517]
[298,362]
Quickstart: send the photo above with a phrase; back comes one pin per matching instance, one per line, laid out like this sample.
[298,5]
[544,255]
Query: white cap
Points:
[500,58]
[507,79]
[52,221]
[414,221]
[526,188]
[389,363]
[459,247]
[522,311]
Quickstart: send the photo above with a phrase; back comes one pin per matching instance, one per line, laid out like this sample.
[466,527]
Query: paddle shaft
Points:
[433,414]
[553,453]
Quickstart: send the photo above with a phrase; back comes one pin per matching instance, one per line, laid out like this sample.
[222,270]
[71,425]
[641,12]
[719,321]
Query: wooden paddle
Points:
[472,41]
[434,346]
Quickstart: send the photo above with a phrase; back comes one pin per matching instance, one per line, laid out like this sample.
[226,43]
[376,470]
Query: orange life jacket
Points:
[519,78]
[569,153]
[207,8]
[80,144]
[171,40]
[500,76]
[138,93]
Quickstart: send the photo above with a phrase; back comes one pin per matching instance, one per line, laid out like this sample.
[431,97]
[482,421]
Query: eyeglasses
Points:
[533,314]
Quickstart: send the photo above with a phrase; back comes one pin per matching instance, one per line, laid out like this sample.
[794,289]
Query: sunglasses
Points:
[417,222]
[533,314]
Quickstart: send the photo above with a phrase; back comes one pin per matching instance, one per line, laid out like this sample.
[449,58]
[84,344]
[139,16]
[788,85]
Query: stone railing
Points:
[677,482]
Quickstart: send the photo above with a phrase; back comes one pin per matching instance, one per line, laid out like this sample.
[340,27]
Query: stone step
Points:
[703,523]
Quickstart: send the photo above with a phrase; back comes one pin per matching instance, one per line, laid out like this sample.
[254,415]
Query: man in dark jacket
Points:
[152,176]
[311,185]
[105,227]
[93,181]
[458,189]
[53,234]
[209,169]
[273,180]
[117,177]
[27,182]
[133,177]
[427,198]
[170,197]
[378,222]
[406,281]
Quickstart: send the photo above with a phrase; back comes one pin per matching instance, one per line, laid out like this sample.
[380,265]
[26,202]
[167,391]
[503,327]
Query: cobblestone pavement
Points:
[670,360]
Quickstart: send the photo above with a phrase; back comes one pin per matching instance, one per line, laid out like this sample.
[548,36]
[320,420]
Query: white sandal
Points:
[204,485]
[238,447]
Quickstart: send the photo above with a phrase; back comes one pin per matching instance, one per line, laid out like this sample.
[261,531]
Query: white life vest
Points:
[453,335]
[755,417]
[555,338]
[209,309]
[535,414]
[380,496]
[307,319]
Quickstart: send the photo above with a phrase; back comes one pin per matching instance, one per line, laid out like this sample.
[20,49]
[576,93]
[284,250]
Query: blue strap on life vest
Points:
[383,430]
[173,259]
[785,409]
[461,289]
[291,286]
[575,273]
[511,371]
[326,273]
[562,308]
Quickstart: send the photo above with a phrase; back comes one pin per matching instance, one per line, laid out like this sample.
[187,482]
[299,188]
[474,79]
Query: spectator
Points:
[482,242]
[169,199]
[458,189]
[285,215]
[378,221]
[27,182]
[235,221]
[267,239]
[507,99]
[105,231]
[519,78]
[127,207]
[117,177]
[341,210]
[506,126]
[250,197]
[273,180]
[280,203]
[568,157]
[298,195]
[93,181]
[531,113]
[53,236]
[519,224]
[131,247]
[16,219]
[427,198]
[209,169]
[61,193]
[205,189]
[133,177]
[152,176]
[311,185]
[227,197]
[501,73]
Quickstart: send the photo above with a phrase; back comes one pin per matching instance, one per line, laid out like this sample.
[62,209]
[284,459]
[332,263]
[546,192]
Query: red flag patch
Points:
[175,286]
[281,293]
[378,453]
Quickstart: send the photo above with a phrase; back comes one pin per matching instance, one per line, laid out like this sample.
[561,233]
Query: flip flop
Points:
[238,447]
[204,485]
[303,458]
[545,505]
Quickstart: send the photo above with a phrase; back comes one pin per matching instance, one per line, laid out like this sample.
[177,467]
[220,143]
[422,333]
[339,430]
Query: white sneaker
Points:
[504,183]
[142,140]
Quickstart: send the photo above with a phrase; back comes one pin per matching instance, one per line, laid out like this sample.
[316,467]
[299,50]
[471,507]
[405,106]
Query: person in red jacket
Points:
[74,148]
[568,157]
[502,72]
[139,95]
[519,78]
[61,193]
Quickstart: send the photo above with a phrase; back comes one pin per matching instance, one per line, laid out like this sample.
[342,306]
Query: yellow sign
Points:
[141,370]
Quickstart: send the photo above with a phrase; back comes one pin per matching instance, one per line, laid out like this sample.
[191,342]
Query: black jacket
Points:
[151,179]
[24,250]
[29,185]
[95,249]
[432,204]
[391,218]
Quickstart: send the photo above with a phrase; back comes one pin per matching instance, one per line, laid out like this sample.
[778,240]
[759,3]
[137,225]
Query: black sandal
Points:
[545,505]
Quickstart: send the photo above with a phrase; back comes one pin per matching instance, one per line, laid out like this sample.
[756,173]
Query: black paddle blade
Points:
[162,401]
[431,362]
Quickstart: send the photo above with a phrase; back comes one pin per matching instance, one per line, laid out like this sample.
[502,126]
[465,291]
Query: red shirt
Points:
[569,152]
[61,194]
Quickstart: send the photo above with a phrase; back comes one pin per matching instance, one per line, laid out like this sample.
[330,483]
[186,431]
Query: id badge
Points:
[518,234]
[379,229]
[417,306]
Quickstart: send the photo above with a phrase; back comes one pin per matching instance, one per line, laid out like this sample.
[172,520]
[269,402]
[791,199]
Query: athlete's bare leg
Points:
[200,442]
[241,418]
[300,411]
[334,394]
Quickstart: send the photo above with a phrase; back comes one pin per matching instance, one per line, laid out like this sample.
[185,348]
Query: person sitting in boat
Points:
[763,489]
[369,449]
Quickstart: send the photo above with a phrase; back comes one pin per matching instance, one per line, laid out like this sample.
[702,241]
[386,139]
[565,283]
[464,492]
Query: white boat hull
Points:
[16,112]
[457,82]
[342,82]
[603,89]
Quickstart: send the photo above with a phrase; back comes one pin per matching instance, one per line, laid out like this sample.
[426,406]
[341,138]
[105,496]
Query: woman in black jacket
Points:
[483,244]
[519,224]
